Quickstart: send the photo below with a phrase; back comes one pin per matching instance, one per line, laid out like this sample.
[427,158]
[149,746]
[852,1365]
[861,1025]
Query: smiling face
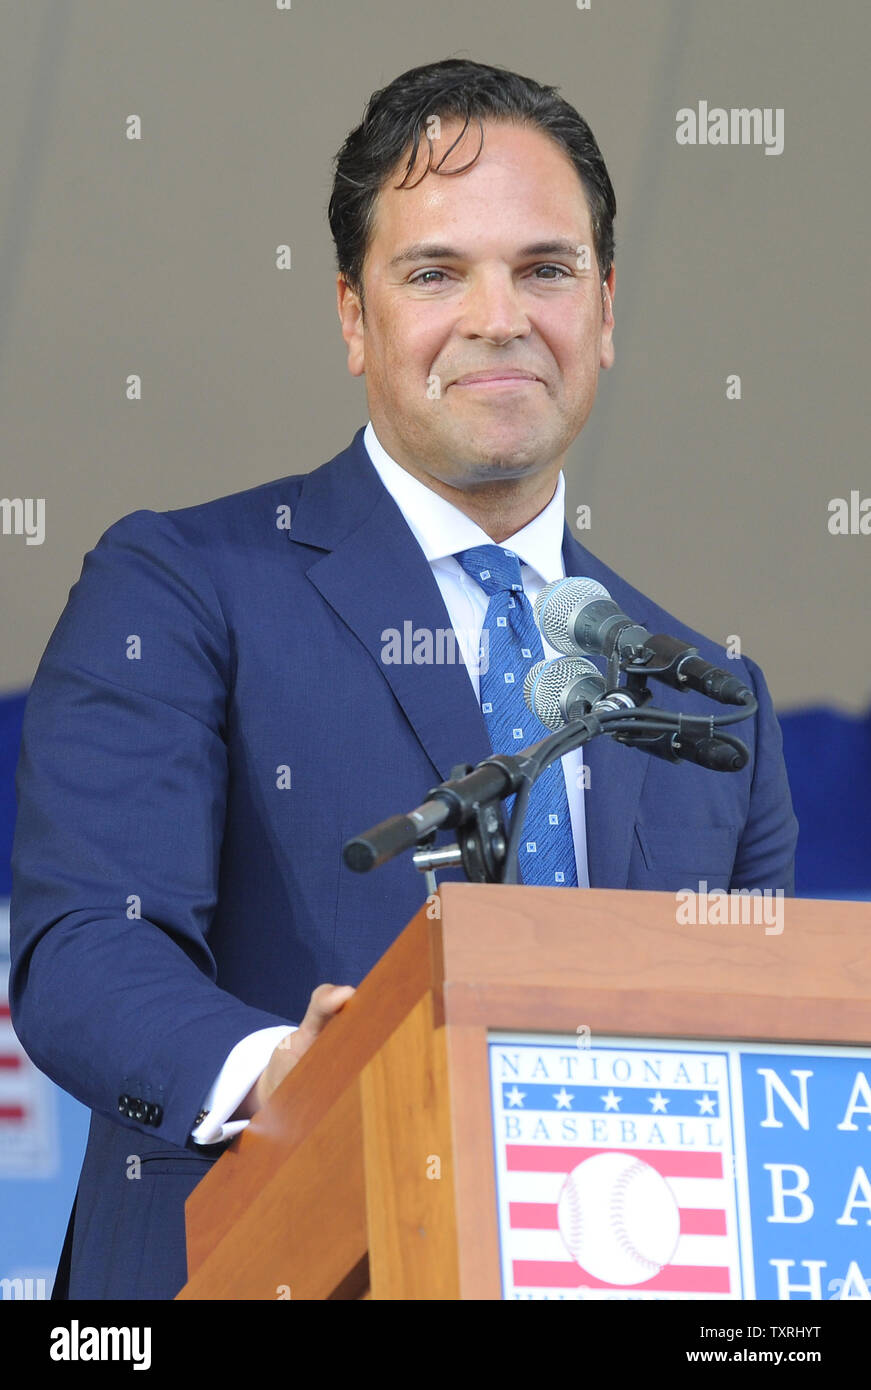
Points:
[478,273]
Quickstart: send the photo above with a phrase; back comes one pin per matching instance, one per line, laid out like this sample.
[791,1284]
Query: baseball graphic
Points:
[618,1217]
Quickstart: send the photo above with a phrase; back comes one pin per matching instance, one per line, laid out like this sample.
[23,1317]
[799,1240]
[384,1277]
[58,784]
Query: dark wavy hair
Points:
[396,117]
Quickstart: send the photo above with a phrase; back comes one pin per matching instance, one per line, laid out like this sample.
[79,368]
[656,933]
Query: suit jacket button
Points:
[156,1114]
[123,1104]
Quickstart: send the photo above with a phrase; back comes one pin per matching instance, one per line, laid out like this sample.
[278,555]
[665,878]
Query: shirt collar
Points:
[442,530]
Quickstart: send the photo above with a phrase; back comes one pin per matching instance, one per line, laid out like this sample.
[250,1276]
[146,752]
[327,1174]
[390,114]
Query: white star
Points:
[563,1099]
[659,1102]
[612,1102]
[515,1097]
[707,1105]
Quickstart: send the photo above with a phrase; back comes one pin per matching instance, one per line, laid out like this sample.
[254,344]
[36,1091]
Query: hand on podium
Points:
[325,1001]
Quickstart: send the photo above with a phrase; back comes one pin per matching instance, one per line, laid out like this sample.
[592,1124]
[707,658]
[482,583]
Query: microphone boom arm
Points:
[467,800]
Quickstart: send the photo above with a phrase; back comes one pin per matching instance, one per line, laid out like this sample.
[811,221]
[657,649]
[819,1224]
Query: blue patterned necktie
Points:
[547,853]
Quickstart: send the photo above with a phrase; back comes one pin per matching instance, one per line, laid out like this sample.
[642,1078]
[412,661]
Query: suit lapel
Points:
[616,773]
[376,578]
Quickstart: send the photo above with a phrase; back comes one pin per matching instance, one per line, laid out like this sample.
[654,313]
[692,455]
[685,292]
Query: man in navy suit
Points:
[220,707]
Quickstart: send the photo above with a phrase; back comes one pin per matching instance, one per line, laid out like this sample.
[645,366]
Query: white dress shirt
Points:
[441,531]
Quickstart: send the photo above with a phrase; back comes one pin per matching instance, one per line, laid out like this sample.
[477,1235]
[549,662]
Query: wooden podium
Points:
[370,1172]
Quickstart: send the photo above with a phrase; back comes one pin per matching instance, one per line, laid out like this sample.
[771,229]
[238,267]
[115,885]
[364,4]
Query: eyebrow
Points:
[434,251]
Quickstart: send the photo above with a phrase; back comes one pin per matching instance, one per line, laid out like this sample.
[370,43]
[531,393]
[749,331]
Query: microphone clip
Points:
[482,841]
[662,659]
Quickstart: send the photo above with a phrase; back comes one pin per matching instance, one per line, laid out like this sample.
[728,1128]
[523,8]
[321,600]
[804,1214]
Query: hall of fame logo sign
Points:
[681,1170]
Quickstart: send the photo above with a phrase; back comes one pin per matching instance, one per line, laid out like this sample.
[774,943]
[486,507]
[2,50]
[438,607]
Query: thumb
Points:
[326,1001]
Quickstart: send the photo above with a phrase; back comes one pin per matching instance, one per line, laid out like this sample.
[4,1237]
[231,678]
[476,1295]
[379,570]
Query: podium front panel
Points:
[633,1168]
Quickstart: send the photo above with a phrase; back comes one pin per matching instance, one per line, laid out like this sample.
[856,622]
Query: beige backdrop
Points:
[157,257]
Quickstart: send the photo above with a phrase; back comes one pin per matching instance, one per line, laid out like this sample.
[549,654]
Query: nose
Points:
[492,308]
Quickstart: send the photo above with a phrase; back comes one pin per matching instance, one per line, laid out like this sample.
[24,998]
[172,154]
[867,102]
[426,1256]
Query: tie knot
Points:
[495,569]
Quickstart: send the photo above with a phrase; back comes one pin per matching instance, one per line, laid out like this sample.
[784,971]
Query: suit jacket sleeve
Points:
[766,851]
[121,784]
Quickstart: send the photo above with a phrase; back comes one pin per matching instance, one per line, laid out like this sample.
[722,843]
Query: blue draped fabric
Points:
[828,758]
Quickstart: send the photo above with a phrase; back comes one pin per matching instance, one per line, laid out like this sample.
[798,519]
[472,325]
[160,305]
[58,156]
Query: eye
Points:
[561,269]
[419,280]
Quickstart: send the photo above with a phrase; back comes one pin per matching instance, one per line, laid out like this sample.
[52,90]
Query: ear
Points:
[607,356]
[351,317]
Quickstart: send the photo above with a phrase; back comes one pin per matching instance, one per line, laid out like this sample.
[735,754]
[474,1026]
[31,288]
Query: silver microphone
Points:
[580,615]
[563,689]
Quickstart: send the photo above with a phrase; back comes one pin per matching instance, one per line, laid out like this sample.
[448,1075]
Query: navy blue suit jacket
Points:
[171,893]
